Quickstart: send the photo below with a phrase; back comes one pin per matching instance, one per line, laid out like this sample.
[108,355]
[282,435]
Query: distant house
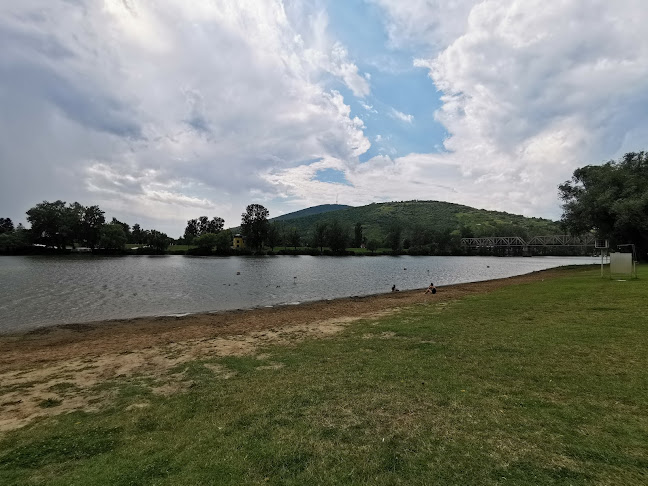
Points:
[238,242]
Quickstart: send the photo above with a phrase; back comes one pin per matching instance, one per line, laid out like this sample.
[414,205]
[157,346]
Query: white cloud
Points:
[399,115]
[164,111]
[368,107]
[167,110]
[530,91]
[348,71]
[425,23]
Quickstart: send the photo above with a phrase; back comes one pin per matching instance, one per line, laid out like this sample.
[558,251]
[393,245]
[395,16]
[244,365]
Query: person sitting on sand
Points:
[431,289]
[394,289]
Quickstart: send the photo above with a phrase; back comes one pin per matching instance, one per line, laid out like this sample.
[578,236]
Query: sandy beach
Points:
[63,364]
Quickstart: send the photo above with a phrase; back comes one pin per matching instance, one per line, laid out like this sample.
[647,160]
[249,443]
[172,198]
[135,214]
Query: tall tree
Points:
[338,236]
[224,240]
[53,223]
[125,226]
[157,240]
[320,236]
[357,238]
[214,225]
[611,200]
[112,236]
[6,225]
[192,231]
[137,235]
[254,225]
[274,235]
[394,233]
[294,237]
[91,221]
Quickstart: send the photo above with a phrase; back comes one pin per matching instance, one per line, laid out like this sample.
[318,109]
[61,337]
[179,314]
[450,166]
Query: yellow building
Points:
[238,242]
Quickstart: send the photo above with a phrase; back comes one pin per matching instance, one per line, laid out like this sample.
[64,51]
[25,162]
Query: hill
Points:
[423,221]
[312,211]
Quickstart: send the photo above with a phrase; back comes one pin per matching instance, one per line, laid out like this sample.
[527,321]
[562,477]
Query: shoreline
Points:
[67,364]
[44,325]
[223,320]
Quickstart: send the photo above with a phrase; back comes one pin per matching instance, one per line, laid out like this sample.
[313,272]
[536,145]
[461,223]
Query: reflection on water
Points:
[38,291]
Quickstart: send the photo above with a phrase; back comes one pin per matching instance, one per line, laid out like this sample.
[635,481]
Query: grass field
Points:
[542,383]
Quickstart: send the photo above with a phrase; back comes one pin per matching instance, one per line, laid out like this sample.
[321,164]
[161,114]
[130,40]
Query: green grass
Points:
[543,383]
[180,247]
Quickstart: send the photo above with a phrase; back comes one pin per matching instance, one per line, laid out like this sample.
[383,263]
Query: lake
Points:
[38,291]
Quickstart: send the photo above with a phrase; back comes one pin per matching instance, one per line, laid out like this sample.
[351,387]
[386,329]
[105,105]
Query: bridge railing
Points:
[552,240]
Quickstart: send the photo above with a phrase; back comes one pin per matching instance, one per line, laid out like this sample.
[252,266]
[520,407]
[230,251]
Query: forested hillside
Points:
[312,211]
[418,222]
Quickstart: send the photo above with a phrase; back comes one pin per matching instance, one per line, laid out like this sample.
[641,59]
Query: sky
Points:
[162,111]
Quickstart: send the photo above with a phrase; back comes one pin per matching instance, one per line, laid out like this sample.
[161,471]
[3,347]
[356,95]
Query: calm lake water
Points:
[40,291]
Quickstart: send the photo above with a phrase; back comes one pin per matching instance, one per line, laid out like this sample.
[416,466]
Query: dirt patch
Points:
[62,365]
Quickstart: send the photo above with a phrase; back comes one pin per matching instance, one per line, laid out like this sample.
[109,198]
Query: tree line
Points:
[609,200]
[60,225]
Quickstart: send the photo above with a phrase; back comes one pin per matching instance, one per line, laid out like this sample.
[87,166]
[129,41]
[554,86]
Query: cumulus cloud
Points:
[168,110]
[167,103]
[348,71]
[428,24]
[530,91]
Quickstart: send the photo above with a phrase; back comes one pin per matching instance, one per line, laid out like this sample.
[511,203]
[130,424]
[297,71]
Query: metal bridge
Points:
[510,241]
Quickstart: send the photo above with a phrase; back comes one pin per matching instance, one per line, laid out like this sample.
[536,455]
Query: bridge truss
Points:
[536,241]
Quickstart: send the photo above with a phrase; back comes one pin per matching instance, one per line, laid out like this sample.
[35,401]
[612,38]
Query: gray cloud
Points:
[530,91]
[166,109]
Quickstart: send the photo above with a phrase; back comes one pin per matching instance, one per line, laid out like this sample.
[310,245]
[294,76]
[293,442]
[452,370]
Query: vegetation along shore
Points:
[537,379]
[607,201]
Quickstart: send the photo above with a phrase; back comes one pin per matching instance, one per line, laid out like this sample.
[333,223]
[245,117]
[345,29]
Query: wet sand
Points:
[63,363]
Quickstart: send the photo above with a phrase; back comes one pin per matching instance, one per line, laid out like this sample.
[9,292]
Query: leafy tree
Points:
[393,239]
[223,240]
[611,200]
[320,236]
[157,240]
[91,222]
[192,231]
[137,235]
[53,223]
[338,236]
[206,241]
[126,226]
[273,237]
[254,225]
[112,236]
[6,225]
[294,238]
[215,225]
[372,245]
[357,240]
[14,240]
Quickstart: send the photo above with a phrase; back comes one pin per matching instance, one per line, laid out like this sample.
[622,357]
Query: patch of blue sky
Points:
[333,176]
[359,27]
[395,85]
